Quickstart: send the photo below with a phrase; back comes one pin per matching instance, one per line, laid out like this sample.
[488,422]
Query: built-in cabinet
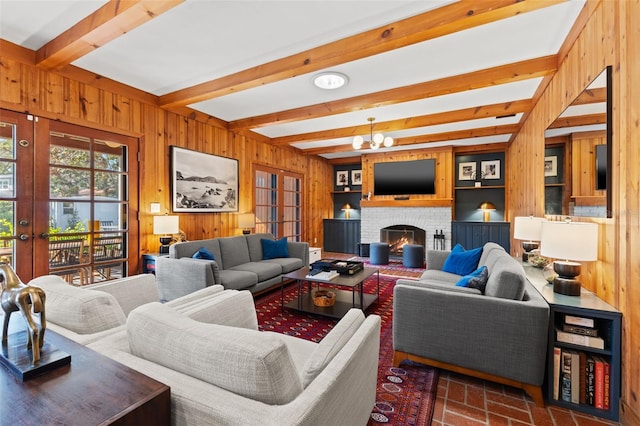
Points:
[476,234]
[342,235]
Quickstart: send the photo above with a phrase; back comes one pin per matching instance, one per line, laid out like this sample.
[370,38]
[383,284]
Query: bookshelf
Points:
[598,315]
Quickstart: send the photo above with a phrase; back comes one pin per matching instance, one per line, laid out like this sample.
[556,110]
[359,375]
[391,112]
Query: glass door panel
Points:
[278,203]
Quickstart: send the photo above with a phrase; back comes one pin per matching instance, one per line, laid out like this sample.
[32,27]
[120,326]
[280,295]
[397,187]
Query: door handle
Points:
[44,235]
[24,237]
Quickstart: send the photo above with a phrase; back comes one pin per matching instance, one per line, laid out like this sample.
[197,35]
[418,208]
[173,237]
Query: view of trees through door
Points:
[278,203]
[64,199]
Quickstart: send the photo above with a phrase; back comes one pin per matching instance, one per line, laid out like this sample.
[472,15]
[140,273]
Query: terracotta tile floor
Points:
[463,400]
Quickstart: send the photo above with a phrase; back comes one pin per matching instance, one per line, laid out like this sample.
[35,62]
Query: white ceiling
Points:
[202,40]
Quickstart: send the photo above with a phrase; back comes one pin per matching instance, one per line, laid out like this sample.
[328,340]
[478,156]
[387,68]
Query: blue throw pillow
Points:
[203,253]
[461,261]
[476,277]
[272,249]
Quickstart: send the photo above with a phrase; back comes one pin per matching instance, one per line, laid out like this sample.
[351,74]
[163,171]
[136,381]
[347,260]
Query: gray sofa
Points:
[238,264]
[500,335]
[207,348]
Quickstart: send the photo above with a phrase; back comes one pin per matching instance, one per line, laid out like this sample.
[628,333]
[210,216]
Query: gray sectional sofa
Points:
[238,264]
[207,348]
[500,335]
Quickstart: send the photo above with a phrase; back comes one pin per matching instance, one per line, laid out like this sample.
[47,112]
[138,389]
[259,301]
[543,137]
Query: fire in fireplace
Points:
[399,235]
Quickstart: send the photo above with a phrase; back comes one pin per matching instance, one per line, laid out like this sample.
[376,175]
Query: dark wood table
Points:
[345,300]
[93,390]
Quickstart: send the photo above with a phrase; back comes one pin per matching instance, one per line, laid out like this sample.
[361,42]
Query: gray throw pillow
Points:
[480,281]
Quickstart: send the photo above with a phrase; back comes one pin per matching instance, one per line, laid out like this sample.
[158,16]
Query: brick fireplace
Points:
[430,220]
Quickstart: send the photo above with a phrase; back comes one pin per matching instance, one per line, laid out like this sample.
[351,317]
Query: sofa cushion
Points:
[272,249]
[247,362]
[203,253]
[234,251]
[287,264]
[331,344]
[79,310]
[254,241]
[263,270]
[461,261]
[507,279]
[487,249]
[436,275]
[238,280]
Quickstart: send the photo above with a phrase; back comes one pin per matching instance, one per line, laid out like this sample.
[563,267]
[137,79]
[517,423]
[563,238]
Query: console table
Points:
[92,390]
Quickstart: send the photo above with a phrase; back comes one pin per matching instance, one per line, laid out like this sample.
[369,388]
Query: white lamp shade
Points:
[246,220]
[163,225]
[569,240]
[528,228]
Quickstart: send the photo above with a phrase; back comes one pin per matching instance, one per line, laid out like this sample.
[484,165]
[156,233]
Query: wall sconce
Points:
[246,221]
[573,241]
[165,226]
[346,208]
[486,207]
[529,230]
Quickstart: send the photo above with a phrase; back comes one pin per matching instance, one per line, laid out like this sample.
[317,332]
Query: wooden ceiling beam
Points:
[509,73]
[484,111]
[430,138]
[579,120]
[115,18]
[445,20]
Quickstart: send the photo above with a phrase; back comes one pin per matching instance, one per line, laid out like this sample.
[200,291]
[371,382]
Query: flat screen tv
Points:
[404,177]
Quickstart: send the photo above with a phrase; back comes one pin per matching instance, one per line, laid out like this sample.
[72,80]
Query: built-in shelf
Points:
[347,192]
[480,187]
[586,200]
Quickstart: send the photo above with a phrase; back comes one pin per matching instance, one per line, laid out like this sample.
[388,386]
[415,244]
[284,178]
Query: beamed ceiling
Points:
[431,73]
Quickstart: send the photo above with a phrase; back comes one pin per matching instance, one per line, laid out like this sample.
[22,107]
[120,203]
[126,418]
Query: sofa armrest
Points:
[178,277]
[501,337]
[436,258]
[299,250]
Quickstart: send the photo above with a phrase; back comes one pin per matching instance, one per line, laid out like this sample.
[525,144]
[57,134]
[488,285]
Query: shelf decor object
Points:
[246,221]
[529,230]
[375,141]
[486,207]
[166,226]
[573,242]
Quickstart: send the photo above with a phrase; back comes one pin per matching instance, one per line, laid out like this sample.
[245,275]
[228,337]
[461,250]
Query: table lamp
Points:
[529,230]
[165,226]
[572,241]
[346,208]
[246,221]
[486,207]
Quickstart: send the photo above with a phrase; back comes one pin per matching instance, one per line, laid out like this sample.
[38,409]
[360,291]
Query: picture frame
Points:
[202,182]
[467,171]
[551,166]
[342,178]
[356,177]
[490,169]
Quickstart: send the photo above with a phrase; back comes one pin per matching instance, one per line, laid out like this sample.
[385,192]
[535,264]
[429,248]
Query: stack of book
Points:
[580,377]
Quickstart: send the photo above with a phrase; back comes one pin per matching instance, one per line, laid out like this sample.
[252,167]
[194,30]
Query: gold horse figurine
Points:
[17,296]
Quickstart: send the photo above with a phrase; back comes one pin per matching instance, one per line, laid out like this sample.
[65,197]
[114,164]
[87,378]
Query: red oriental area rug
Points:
[405,395]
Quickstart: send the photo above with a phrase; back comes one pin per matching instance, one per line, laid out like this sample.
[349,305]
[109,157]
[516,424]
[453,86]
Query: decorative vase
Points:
[549,273]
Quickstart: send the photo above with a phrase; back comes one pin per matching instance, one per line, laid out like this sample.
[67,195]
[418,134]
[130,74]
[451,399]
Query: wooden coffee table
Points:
[93,390]
[345,300]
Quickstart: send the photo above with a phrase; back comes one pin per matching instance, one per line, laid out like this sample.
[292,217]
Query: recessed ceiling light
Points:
[330,80]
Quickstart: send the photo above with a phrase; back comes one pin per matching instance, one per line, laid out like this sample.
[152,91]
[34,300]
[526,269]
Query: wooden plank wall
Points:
[610,37]
[80,98]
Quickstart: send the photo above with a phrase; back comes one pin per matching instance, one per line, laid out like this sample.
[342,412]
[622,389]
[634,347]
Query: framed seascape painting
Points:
[202,182]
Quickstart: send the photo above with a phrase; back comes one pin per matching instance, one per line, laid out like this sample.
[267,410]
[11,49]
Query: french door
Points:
[278,202]
[65,199]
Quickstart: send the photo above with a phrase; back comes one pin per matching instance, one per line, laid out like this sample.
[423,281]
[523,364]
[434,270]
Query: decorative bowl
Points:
[324,298]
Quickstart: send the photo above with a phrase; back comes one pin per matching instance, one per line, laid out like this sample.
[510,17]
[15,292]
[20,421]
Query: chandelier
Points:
[375,141]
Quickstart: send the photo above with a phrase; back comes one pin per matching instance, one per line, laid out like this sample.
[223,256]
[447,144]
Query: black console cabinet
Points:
[341,235]
[476,234]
